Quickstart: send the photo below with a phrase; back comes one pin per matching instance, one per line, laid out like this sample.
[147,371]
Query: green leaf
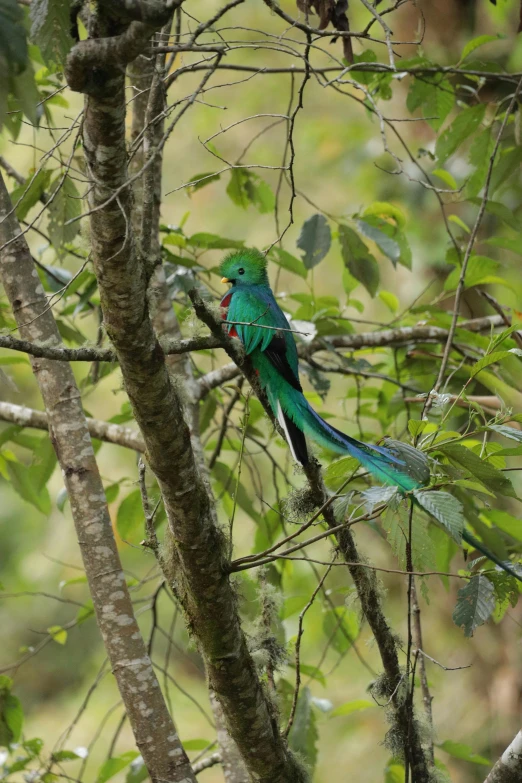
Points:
[114,765]
[480,270]
[460,129]
[130,519]
[287,261]
[292,605]
[475,604]
[213,242]
[65,755]
[138,772]
[506,165]
[314,240]
[196,744]
[394,772]
[303,734]
[349,707]
[389,246]
[445,508]
[446,177]
[50,29]
[383,209]
[459,222]
[13,44]
[505,522]
[491,358]
[457,749]
[501,211]
[226,478]
[479,157]
[416,427]
[202,180]
[22,481]
[311,671]
[514,245]
[247,188]
[358,259]
[65,204]
[44,464]
[58,633]
[507,432]
[341,627]
[390,300]
[481,40]
[439,104]
[26,95]
[85,612]
[479,469]
[338,471]
[11,714]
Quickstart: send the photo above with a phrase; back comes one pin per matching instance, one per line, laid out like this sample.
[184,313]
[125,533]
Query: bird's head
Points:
[244,267]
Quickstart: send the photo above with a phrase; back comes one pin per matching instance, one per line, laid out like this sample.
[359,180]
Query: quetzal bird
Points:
[255,318]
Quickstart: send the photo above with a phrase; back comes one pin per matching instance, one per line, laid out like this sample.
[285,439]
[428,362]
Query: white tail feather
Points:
[282,422]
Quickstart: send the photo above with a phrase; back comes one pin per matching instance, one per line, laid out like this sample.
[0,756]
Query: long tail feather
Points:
[378,460]
[479,546]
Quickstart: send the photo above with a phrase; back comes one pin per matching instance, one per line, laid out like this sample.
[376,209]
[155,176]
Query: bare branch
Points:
[102,430]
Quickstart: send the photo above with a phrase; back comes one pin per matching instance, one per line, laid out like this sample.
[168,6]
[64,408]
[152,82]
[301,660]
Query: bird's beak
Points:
[225,280]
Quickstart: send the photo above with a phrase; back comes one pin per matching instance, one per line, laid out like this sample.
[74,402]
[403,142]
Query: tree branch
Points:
[400,336]
[102,430]
[508,768]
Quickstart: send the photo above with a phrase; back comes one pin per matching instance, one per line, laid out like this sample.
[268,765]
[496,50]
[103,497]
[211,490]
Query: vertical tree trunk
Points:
[154,731]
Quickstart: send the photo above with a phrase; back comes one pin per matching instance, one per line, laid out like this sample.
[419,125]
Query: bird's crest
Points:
[248,265]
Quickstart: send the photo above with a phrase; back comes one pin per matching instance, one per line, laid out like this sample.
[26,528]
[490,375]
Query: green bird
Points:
[255,318]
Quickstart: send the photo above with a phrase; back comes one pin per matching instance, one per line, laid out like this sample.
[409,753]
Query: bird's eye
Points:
[241,271]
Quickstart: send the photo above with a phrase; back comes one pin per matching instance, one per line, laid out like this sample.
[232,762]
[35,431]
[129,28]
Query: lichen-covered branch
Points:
[102,430]
[405,729]
[508,768]
[171,346]
[152,725]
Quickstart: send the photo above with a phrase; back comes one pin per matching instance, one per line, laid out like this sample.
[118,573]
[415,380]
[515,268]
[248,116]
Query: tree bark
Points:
[195,550]
[146,74]
[154,731]
[508,768]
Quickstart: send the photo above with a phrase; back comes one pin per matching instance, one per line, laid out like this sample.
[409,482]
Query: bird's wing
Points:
[251,311]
